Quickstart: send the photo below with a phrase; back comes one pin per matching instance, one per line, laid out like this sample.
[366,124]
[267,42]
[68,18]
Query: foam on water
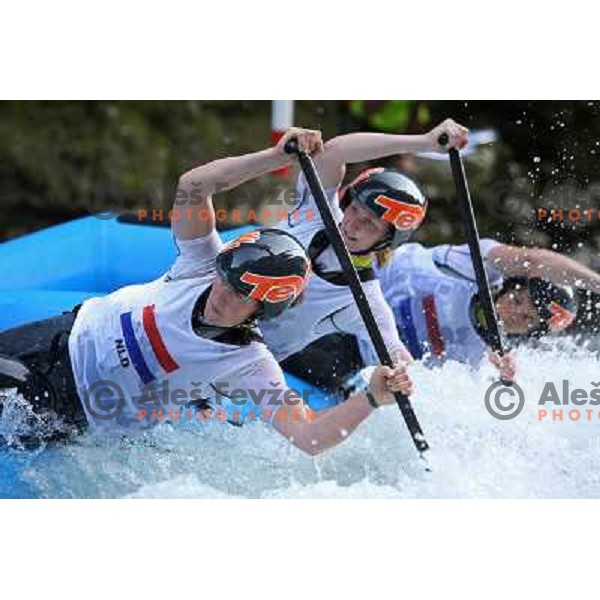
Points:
[473,455]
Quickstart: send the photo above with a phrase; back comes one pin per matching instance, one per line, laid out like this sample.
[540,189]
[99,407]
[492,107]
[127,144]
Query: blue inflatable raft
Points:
[51,271]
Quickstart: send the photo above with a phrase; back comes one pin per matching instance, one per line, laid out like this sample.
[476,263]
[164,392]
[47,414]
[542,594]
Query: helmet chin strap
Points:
[375,248]
[362,252]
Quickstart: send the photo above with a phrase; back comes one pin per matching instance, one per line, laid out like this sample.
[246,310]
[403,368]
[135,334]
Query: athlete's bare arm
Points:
[316,432]
[513,261]
[359,147]
[196,187]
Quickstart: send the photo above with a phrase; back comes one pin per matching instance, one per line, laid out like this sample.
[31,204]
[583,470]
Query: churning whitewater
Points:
[473,454]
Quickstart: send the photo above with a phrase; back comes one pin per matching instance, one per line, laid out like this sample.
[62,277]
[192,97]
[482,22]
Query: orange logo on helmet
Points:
[401,215]
[245,238]
[561,317]
[274,289]
[366,173]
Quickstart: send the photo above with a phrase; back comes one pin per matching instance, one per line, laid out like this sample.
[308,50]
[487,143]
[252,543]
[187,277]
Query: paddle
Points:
[335,237]
[470,225]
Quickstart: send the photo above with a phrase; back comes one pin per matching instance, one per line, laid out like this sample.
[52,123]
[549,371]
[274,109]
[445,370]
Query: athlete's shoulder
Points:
[407,258]
[195,257]
[456,259]
[448,254]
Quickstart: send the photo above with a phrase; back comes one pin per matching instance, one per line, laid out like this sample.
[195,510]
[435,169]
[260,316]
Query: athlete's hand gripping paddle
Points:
[331,227]
[470,226]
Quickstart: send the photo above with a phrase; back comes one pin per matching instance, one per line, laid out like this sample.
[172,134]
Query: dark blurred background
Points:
[61,160]
[64,159]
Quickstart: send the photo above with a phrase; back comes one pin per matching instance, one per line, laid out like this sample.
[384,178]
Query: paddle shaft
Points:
[470,226]
[335,237]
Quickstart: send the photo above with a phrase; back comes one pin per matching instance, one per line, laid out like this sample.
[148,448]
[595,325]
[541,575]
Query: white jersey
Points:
[430,291]
[326,308]
[140,338]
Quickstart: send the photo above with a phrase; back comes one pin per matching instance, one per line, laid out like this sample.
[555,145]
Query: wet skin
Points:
[516,312]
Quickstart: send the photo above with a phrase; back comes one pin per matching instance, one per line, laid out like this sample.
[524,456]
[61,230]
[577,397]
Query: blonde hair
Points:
[383,257]
[365,261]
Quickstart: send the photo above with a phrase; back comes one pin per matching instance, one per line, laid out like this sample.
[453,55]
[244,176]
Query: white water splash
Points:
[23,428]
[473,455]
